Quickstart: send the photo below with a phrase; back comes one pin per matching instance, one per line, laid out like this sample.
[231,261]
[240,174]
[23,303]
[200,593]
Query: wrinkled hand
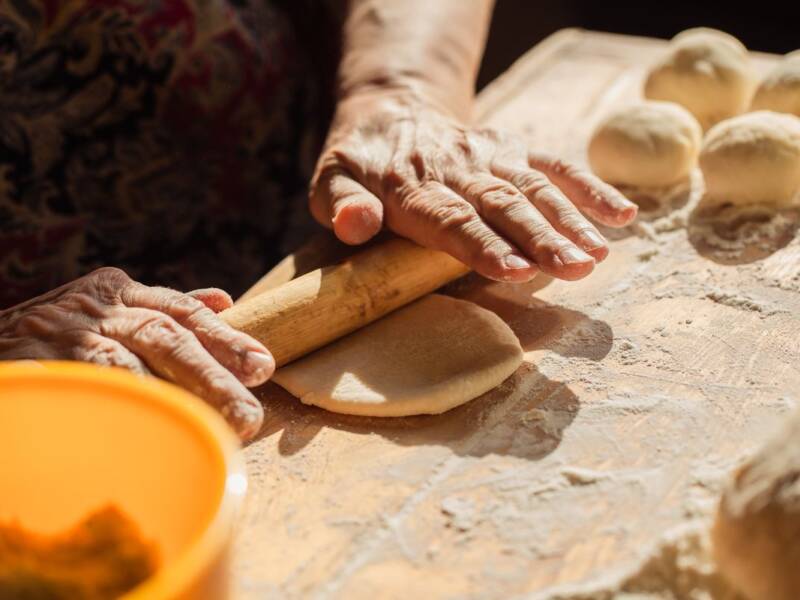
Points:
[106,318]
[474,193]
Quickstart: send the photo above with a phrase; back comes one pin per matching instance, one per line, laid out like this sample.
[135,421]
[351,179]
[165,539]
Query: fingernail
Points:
[259,363]
[572,255]
[591,240]
[512,261]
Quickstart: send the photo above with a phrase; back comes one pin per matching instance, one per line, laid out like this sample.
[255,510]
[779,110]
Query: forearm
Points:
[432,48]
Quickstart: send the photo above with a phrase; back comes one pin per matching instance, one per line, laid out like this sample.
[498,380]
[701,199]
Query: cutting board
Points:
[643,385]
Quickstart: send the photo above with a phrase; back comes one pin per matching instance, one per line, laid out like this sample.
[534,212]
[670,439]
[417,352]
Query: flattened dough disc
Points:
[425,358]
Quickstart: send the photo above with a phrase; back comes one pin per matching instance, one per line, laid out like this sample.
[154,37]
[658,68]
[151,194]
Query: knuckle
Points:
[186,307]
[575,224]
[568,169]
[489,250]
[104,352]
[540,230]
[109,275]
[158,328]
[453,216]
[547,238]
[550,196]
[502,202]
[564,168]
[449,163]
[105,283]
[417,161]
[217,330]
[219,382]
[109,272]
[562,208]
[82,302]
[533,184]
[328,167]
[396,179]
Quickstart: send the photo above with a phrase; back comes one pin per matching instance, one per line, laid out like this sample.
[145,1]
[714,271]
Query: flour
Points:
[613,439]
[460,511]
[725,233]
[739,300]
[578,476]
[678,567]
[732,233]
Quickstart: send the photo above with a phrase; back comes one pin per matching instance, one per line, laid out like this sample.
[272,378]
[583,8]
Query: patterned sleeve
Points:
[171,138]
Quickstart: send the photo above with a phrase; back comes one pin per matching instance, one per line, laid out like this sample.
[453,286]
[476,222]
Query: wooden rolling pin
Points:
[328,303]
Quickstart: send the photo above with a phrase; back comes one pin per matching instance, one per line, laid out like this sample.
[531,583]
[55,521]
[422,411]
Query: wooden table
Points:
[643,385]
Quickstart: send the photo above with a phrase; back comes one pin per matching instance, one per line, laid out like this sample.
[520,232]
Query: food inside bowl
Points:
[102,557]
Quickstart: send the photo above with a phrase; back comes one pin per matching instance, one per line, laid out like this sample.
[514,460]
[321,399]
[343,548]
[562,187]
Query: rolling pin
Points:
[328,303]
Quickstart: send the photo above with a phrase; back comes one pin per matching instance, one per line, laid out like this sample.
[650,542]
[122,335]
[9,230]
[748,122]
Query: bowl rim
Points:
[200,554]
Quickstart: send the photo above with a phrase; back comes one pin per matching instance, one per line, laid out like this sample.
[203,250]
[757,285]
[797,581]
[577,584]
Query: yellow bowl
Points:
[75,437]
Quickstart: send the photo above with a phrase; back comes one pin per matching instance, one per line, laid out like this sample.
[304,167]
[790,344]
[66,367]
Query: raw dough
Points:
[708,72]
[651,144]
[753,159]
[425,358]
[780,90]
[757,532]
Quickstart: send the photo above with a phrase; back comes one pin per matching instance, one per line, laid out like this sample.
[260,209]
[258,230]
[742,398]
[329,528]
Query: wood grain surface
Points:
[643,385]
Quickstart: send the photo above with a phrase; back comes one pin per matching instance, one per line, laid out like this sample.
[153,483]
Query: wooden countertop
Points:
[643,385]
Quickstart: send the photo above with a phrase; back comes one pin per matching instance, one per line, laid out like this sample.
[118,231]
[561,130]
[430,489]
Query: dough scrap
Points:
[649,144]
[707,71]
[425,358]
[753,159]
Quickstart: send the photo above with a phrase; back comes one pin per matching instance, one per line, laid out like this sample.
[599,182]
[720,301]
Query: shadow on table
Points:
[542,326]
[730,235]
[524,417]
[654,204]
[503,421]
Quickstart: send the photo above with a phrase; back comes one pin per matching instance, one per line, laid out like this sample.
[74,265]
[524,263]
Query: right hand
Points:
[394,159]
[107,318]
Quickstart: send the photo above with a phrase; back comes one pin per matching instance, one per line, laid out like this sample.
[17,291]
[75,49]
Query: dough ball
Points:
[756,535]
[425,358]
[780,90]
[651,144]
[706,71]
[752,159]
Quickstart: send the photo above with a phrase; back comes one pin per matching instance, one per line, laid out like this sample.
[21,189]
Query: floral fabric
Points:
[170,138]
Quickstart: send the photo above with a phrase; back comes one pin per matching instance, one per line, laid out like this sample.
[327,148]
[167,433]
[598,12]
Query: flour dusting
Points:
[739,300]
[678,567]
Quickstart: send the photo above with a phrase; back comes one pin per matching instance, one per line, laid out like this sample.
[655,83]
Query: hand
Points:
[393,159]
[108,319]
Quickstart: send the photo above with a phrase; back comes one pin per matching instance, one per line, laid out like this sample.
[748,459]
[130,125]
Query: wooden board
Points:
[642,386]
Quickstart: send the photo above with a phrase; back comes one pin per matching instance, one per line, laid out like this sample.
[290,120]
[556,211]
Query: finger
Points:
[593,196]
[173,352]
[241,354]
[556,208]
[87,346]
[357,214]
[214,298]
[510,213]
[435,216]
[339,201]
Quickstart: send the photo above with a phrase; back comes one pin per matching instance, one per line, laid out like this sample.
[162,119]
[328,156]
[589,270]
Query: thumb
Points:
[354,213]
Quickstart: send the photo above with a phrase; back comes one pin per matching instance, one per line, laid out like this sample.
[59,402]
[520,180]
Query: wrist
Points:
[398,94]
[406,86]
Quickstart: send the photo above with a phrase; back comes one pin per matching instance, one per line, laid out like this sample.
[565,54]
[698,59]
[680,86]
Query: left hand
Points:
[394,159]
